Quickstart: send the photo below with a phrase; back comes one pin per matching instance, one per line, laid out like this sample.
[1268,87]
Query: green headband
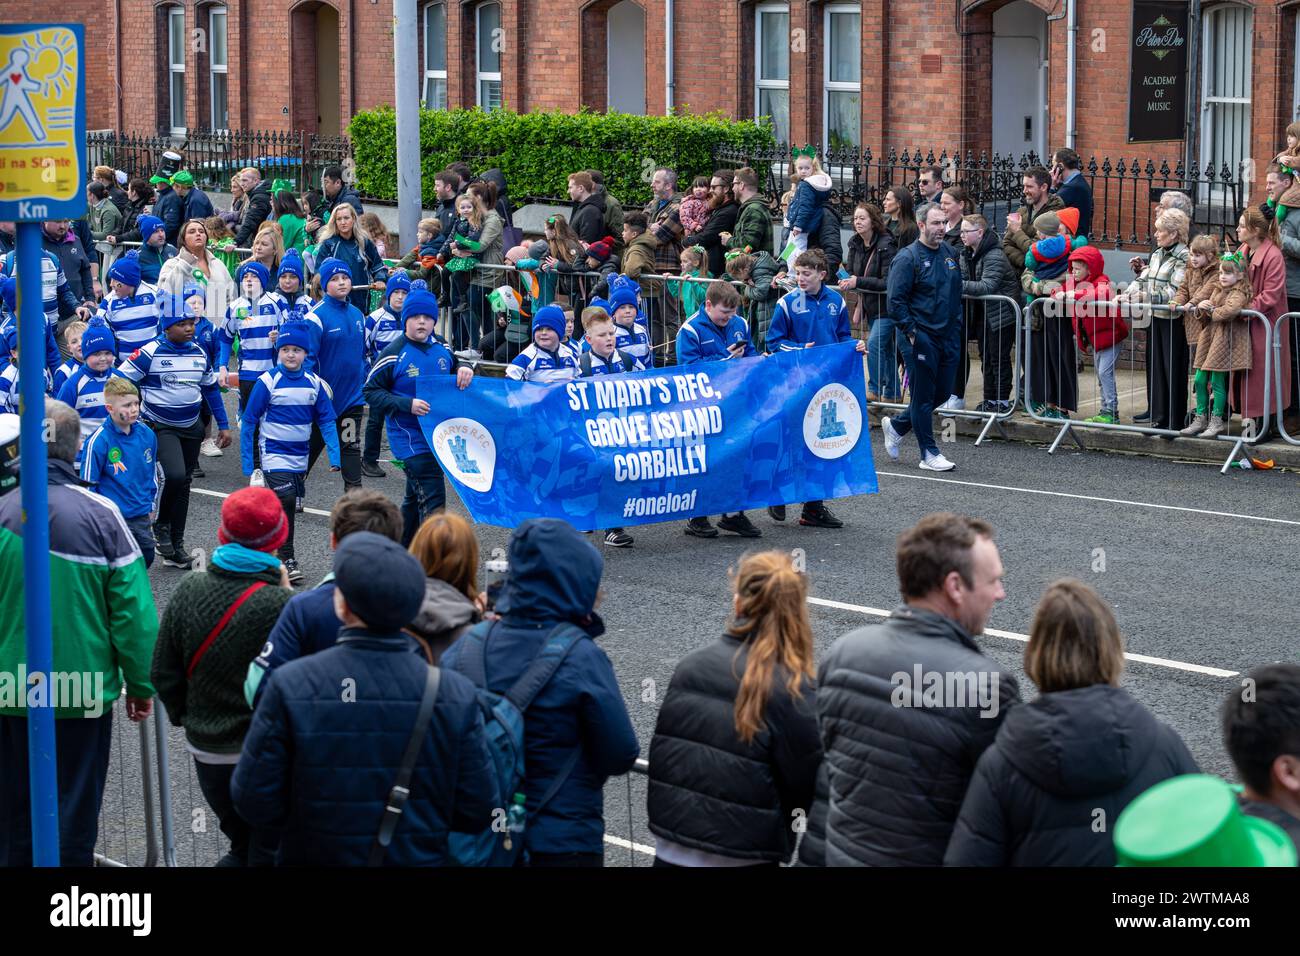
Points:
[281,186]
[808,150]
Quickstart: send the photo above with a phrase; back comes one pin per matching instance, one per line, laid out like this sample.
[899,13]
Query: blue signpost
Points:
[42,176]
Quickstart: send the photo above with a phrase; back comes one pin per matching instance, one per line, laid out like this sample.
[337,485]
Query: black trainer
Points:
[776,512]
[198,472]
[180,557]
[162,536]
[618,538]
[298,506]
[739,524]
[819,518]
[371,469]
[700,528]
[295,573]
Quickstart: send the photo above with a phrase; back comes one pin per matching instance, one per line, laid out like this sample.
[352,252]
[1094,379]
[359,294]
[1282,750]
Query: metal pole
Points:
[41,760]
[669,79]
[406,69]
[1071,39]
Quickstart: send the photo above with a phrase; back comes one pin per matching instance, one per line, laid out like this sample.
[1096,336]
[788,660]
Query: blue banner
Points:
[665,444]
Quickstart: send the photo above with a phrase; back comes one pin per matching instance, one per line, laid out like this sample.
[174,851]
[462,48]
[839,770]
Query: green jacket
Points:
[753,228]
[104,621]
[295,232]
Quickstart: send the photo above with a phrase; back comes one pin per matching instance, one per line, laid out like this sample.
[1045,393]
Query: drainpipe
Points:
[1071,39]
[1190,150]
[668,57]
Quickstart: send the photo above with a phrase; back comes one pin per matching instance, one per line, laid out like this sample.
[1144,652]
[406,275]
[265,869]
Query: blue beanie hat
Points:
[263,274]
[10,335]
[599,303]
[294,332]
[126,270]
[292,264]
[419,285]
[621,295]
[398,281]
[98,337]
[9,293]
[173,311]
[550,317]
[420,303]
[330,268]
[382,583]
[148,225]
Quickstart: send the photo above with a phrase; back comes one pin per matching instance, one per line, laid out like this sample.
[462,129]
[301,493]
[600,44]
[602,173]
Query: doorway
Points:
[625,58]
[1019,80]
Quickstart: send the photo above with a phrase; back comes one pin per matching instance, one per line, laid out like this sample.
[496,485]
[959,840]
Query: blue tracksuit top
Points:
[799,319]
[700,339]
[338,350]
[124,467]
[390,389]
[925,290]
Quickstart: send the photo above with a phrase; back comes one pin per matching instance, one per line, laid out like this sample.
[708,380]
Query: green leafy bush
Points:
[538,150]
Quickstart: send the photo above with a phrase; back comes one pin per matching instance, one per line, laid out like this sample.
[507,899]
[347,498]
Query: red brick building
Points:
[987,75]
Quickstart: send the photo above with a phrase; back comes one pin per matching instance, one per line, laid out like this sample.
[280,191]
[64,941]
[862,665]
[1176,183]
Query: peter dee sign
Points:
[1157,98]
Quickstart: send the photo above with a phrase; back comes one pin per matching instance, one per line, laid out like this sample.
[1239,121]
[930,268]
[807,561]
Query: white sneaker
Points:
[209,449]
[257,480]
[892,438]
[469,355]
[937,462]
[955,403]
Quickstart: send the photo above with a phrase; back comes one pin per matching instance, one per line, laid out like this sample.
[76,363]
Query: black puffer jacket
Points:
[870,267]
[722,219]
[709,790]
[589,218]
[987,271]
[257,209]
[829,241]
[898,774]
[1056,762]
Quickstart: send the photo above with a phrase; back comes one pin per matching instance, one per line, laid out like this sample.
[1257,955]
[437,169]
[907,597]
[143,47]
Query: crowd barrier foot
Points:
[1066,429]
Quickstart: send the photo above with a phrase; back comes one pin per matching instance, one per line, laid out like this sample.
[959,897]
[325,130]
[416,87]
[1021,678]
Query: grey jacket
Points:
[444,616]
[898,762]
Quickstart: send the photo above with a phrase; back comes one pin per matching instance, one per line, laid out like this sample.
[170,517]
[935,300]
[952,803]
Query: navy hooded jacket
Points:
[554,576]
[925,290]
[317,767]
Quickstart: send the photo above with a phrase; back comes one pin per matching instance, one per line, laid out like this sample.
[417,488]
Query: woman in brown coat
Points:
[1223,346]
[1267,274]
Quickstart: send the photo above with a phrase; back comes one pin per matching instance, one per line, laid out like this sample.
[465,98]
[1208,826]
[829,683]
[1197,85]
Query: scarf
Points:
[241,560]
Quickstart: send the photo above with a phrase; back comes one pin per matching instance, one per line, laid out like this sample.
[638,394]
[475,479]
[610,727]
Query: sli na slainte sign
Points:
[1157,97]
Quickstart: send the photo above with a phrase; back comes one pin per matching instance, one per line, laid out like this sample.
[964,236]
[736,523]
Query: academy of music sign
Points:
[1157,98]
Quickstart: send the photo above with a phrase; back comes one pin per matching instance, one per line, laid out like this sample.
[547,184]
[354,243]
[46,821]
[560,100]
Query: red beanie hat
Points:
[1070,216]
[254,518]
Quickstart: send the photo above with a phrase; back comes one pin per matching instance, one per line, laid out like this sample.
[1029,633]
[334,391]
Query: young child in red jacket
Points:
[1097,325]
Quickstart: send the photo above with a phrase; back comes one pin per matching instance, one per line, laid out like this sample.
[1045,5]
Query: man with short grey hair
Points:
[105,625]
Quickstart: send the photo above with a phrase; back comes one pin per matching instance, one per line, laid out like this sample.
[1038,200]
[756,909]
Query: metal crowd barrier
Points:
[1058,329]
[1285,329]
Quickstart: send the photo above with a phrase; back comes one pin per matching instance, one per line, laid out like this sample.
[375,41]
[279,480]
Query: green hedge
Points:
[537,151]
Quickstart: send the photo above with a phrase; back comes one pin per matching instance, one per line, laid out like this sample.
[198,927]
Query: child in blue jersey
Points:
[9,316]
[72,339]
[253,318]
[391,390]
[548,359]
[132,308]
[717,333]
[175,379]
[630,329]
[383,327]
[194,301]
[604,358]
[291,289]
[84,391]
[120,462]
[282,407]
[811,315]
[337,354]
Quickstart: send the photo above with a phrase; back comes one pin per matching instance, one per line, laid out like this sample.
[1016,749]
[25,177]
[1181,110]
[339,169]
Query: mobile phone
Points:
[843,273]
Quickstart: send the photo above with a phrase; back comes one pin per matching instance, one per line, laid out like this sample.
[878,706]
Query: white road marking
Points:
[1112,501]
[629,845]
[227,494]
[1024,638]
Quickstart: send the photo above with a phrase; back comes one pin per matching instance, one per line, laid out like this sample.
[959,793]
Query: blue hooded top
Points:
[554,576]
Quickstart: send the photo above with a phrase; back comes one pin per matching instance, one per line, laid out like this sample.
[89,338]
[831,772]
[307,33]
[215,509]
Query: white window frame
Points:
[479,76]
[829,86]
[215,70]
[428,73]
[761,84]
[1295,81]
[173,68]
[1210,19]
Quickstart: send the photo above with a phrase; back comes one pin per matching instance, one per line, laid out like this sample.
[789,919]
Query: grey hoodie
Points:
[444,616]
